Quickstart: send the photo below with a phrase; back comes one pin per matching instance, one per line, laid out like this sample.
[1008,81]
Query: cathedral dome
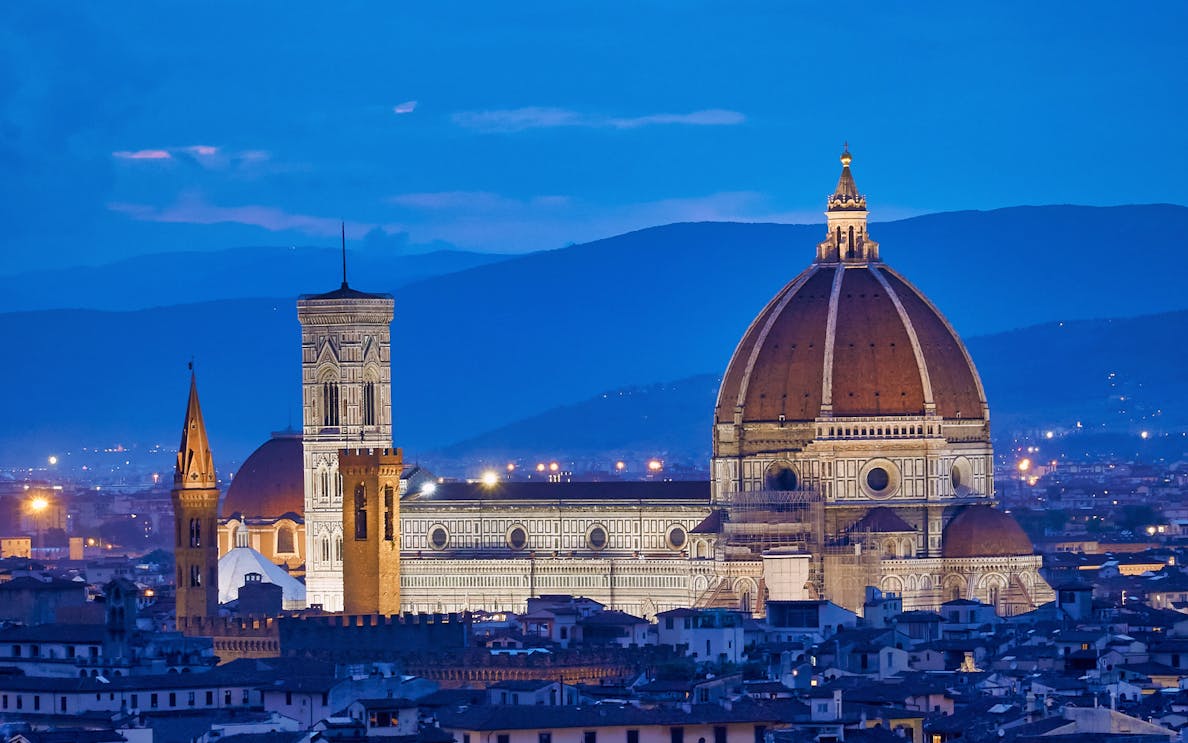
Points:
[985,531]
[271,481]
[849,337]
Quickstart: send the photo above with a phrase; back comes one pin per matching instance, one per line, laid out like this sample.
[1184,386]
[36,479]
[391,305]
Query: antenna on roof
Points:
[344,281]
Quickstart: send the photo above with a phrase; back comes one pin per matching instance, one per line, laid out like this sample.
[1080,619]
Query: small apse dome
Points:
[984,531]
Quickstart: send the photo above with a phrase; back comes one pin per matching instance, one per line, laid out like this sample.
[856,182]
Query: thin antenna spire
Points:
[344,281]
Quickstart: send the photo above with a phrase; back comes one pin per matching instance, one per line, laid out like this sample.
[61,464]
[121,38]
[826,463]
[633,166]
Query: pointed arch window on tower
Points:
[195,576]
[360,512]
[389,503]
[324,484]
[369,406]
[330,405]
[195,532]
[852,244]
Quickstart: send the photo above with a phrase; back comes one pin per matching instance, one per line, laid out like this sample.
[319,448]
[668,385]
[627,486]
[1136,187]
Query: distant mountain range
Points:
[165,279]
[1110,376]
[480,347]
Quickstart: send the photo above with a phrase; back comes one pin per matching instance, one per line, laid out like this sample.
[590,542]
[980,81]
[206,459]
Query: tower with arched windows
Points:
[346,403]
[371,527]
[196,520]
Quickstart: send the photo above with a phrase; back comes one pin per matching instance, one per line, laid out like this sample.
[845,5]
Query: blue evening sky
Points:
[129,128]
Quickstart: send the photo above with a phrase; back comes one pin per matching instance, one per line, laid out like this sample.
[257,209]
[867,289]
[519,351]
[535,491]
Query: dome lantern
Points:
[846,240]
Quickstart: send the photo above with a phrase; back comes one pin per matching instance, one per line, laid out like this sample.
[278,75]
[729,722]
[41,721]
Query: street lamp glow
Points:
[54,460]
[490,478]
[1024,464]
[511,467]
[38,504]
[655,465]
[429,488]
[553,467]
[620,466]
[1144,434]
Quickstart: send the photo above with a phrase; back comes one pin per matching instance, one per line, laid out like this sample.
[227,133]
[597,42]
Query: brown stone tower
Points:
[371,530]
[196,521]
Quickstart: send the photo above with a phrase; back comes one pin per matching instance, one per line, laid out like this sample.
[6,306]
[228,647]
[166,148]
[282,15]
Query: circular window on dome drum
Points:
[439,537]
[676,537]
[961,475]
[597,537]
[517,537]
[781,476]
[879,478]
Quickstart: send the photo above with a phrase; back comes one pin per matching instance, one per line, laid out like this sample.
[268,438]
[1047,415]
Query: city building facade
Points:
[851,448]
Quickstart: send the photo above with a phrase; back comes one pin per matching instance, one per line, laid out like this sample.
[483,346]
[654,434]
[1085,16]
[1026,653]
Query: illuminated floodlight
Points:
[553,467]
[1049,434]
[540,467]
[490,478]
[655,465]
[511,467]
[1024,464]
[429,488]
[620,466]
[1145,434]
[38,504]
[54,460]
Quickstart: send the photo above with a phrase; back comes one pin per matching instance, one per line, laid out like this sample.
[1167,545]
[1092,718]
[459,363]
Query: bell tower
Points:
[196,519]
[346,403]
[371,528]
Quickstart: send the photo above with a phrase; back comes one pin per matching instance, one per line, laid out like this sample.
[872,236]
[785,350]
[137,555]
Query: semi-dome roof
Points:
[271,481]
[985,531]
[851,337]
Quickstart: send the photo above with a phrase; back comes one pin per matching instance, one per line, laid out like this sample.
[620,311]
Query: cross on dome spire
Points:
[846,240]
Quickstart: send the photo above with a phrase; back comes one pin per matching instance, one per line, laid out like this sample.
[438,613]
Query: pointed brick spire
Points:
[195,466]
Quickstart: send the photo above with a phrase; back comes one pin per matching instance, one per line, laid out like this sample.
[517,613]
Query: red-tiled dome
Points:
[870,360]
[271,481]
[985,531]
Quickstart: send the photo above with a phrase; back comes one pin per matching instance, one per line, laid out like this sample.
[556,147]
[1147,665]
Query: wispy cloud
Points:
[194,210]
[405,108]
[207,156]
[708,117]
[535,117]
[142,155]
[471,201]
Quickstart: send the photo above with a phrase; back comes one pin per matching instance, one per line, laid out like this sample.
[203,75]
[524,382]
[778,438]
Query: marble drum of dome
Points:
[851,388]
